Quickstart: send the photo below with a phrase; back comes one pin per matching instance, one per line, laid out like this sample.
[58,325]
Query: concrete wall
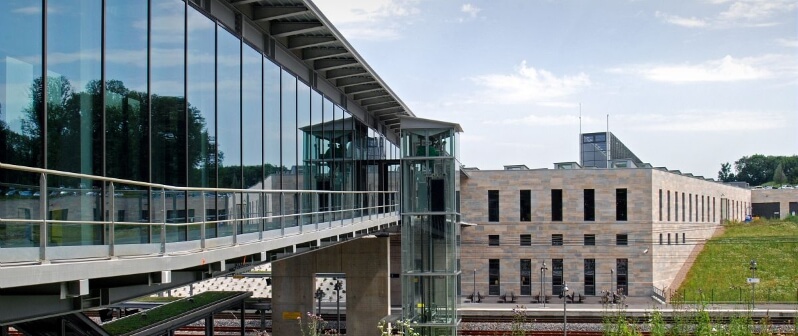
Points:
[690,222]
[649,263]
[365,264]
[782,196]
[476,252]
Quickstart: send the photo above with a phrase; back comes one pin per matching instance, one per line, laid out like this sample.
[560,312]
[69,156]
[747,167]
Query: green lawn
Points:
[721,270]
[164,312]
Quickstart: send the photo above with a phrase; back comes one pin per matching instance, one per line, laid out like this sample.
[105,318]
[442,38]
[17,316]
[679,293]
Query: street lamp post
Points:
[338,304]
[542,283]
[318,295]
[564,303]
[752,267]
[474,297]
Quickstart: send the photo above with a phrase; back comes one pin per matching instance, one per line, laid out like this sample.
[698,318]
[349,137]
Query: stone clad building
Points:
[631,229]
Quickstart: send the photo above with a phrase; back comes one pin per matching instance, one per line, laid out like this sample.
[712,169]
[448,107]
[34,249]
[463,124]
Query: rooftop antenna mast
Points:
[580,135]
[608,143]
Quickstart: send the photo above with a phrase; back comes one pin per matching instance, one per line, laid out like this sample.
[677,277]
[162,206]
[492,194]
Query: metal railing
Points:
[44,222]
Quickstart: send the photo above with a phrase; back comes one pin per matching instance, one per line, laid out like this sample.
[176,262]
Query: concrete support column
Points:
[209,325]
[365,264]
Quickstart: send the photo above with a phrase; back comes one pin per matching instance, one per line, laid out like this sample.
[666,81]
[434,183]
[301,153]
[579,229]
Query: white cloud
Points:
[785,42]
[528,84]
[369,19]
[541,120]
[726,69]
[708,121]
[691,22]
[471,10]
[746,13]
[31,10]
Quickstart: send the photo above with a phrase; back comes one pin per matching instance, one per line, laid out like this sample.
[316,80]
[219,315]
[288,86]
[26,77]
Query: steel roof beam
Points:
[329,64]
[268,13]
[384,106]
[363,88]
[349,81]
[283,29]
[342,73]
[378,100]
[312,54]
[242,2]
[298,42]
[361,96]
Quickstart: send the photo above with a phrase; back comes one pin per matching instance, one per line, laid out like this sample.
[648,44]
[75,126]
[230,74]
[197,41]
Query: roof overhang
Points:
[301,28]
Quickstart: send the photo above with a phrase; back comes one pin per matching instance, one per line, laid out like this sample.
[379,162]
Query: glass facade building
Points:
[599,149]
[164,92]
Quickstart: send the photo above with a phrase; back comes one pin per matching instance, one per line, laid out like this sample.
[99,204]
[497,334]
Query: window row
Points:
[687,207]
[675,237]
[557,239]
[589,205]
[618,278]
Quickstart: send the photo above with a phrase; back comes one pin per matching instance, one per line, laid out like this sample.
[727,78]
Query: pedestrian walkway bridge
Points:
[75,241]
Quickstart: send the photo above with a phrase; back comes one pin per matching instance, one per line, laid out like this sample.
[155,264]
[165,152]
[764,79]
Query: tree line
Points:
[759,169]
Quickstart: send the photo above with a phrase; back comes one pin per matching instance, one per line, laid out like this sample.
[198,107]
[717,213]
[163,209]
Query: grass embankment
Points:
[164,312]
[721,270]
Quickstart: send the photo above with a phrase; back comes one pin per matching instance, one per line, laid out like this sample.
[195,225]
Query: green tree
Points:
[778,175]
[756,169]
[725,174]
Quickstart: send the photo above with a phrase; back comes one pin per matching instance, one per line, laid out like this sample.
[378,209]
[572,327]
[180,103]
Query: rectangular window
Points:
[696,208]
[683,207]
[702,208]
[526,240]
[675,206]
[682,237]
[493,240]
[493,205]
[622,277]
[556,205]
[621,239]
[669,239]
[660,205]
[590,204]
[556,240]
[714,218]
[526,205]
[526,277]
[620,204]
[556,276]
[669,205]
[690,197]
[660,239]
[590,277]
[590,240]
[493,276]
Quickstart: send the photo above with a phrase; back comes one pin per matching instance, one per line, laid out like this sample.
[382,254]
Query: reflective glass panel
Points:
[271,140]
[126,115]
[201,85]
[21,114]
[228,88]
[251,134]
[74,116]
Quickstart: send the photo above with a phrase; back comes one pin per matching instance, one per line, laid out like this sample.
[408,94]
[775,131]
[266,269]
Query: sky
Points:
[686,85]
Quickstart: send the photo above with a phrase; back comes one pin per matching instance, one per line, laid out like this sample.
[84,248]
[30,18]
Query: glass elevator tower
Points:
[430,225]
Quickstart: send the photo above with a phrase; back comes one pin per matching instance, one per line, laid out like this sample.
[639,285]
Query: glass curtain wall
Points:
[21,119]
[127,133]
[252,136]
[74,117]
[288,104]
[201,84]
[228,110]
[272,166]
[177,101]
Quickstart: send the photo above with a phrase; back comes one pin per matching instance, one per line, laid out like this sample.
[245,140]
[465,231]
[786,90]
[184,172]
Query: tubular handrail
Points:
[246,211]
